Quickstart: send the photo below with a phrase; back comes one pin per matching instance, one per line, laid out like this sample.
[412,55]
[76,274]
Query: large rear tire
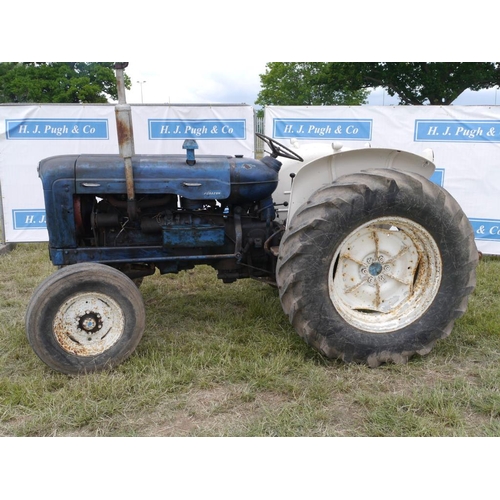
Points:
[376,267]
[85,318]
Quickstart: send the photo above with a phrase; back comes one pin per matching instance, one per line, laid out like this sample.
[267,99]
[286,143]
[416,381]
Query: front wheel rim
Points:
[385,274]
[88,324]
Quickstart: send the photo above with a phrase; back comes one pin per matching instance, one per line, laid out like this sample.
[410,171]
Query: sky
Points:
[213,52]
[216,82]
[195,82]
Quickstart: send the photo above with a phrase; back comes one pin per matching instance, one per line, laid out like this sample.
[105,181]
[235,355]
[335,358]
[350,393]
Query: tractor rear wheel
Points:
[85,318]
[376,267]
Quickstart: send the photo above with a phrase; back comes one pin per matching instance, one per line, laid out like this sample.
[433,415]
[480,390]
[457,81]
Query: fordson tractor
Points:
[372,261]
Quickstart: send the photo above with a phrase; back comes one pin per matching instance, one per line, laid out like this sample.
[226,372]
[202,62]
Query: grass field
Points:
[222,360]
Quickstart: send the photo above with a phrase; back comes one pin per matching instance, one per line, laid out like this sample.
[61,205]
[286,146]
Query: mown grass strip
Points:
[222,360]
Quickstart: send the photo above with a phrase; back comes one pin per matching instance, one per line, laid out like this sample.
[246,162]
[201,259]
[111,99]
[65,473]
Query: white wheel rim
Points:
[88,324]
[385,275]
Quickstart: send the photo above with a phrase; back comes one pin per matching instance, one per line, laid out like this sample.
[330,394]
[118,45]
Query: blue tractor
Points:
[372,261]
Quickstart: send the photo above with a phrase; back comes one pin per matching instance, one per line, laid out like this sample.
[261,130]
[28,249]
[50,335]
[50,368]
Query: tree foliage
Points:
[58,82]
[417,83]
[300,83]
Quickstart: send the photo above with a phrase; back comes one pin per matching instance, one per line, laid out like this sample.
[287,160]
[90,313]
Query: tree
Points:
[299,83]
[58,82]
[417,83]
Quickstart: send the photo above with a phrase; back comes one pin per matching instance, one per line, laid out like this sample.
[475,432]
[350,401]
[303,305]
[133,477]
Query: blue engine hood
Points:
[208,179]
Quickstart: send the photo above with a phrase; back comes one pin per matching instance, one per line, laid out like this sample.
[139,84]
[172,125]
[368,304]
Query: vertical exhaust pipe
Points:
[125,138]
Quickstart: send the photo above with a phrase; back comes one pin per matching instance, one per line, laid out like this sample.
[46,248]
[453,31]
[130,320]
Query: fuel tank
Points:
[235,179]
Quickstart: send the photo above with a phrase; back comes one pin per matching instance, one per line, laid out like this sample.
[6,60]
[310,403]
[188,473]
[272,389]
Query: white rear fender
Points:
[323,165]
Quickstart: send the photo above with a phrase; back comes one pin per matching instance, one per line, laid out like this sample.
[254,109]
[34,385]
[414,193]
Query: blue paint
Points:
[57,129]
[232,181]
[323,128]
[457,131]
[174,129]
[375,269]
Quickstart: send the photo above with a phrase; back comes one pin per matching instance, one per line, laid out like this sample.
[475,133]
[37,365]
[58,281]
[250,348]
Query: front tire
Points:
[376,267]
[85,318]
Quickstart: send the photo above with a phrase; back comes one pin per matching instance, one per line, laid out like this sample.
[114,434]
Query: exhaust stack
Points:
[125,137]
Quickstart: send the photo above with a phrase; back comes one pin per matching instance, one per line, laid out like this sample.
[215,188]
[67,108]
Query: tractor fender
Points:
[324,165]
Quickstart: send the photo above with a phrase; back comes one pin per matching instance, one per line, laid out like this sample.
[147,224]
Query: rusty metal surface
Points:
[378,268]
[386,274]
[88,324]
[125,134]
[124,130]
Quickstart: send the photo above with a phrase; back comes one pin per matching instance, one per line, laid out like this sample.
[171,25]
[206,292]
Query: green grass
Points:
[222,360]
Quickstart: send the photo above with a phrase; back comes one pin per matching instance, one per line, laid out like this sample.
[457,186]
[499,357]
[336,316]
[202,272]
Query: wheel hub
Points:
[88,324]
[376,269]
[385,274]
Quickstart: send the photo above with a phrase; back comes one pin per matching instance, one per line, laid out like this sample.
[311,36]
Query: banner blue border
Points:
[457,131]
[438,177]
[323,128]
[486,229]
[57,129]
[175,129]
[29,219]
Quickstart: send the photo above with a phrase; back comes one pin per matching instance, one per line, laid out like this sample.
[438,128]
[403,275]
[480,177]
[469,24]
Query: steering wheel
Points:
[278,149]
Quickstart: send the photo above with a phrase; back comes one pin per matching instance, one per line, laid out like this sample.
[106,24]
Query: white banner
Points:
[29,133]
[465,141]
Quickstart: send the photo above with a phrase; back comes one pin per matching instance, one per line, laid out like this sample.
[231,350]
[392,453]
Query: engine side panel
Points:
[217,211]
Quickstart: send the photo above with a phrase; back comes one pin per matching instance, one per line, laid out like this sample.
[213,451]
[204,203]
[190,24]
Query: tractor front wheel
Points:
[85,318]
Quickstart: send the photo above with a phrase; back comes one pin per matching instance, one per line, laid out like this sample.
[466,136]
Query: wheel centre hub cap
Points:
[90,322]
[375,269]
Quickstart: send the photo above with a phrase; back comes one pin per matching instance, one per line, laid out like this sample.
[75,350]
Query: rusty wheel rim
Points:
[385,274]
[88,324]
